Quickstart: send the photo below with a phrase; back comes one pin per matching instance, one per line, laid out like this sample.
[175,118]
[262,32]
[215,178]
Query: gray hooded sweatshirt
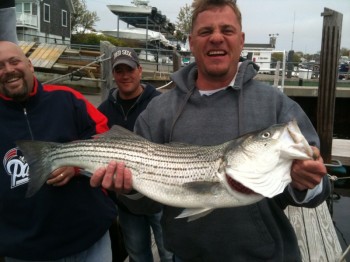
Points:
[257,232]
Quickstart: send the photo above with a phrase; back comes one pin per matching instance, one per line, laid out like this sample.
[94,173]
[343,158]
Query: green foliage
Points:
[183,24]
[279,57]
[344,51]
[83,19]
[94,39]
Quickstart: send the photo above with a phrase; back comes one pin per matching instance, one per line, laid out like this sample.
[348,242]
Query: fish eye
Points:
[266,135]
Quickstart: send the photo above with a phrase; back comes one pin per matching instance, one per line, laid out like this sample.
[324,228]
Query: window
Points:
[19,7]
[24,8]
[27,8]
[64,18]
[46,13]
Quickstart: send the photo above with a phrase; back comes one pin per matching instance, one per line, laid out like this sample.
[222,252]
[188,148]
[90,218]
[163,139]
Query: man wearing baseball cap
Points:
[125,56]
[122,107]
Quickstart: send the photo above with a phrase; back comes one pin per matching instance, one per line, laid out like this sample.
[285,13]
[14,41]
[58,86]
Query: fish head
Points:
[256,152]
[261,161]
[295,145]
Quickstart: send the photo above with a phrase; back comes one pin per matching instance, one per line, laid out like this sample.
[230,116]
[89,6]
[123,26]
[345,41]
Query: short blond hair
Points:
[199,6]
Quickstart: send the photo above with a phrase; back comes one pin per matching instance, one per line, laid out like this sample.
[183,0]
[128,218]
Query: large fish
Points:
[198,178]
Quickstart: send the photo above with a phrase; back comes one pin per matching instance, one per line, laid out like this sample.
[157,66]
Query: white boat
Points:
[138,34]
[141,7]
[142,16]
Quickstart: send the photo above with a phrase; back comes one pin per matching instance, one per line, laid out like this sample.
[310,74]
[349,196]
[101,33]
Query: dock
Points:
[341,151]
[317,238]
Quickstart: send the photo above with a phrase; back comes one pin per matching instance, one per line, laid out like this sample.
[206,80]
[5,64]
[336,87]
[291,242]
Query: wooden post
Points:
[106,48]
[330,49]
[176,61]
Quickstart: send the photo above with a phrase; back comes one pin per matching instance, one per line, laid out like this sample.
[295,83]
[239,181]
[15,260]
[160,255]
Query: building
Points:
[44,21]
[260,54]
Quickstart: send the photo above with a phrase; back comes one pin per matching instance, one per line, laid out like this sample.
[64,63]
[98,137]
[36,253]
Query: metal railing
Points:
[24,19]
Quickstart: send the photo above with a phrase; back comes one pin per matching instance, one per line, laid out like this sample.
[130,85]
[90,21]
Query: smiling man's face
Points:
[216,42]
[16,72]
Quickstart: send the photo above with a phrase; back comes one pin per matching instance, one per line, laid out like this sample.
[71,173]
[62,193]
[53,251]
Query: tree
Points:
[344,51]
[83,19]
[183,24]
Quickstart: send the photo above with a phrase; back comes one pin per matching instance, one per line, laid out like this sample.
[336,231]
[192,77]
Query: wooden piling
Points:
[106,48]
[176,61]
[330,50]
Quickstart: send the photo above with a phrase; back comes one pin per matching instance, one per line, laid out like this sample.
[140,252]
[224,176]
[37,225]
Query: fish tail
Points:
[36,154]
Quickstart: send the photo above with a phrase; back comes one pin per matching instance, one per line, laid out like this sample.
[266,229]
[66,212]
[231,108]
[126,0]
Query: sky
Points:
[298,23]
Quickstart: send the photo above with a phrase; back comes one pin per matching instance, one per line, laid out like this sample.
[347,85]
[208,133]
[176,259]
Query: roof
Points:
[70,6]
[259,46]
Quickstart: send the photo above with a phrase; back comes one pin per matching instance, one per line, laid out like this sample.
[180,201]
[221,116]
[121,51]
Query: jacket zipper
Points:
[28,124]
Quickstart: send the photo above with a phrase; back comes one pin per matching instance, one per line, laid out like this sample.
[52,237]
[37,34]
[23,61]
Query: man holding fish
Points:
[216,99]
[67,220]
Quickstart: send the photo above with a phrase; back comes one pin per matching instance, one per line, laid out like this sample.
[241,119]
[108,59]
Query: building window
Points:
[24,8]
[27,8]
[46,13]
[64,18]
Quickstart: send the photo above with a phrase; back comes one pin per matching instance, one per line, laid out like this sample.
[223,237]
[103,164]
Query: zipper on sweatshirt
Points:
[28,124]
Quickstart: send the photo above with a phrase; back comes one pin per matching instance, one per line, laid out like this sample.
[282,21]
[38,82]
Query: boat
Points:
[141,7]
[142,15]
[140,34]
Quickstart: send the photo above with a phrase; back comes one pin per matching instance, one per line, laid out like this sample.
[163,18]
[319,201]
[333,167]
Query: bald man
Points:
[66,220]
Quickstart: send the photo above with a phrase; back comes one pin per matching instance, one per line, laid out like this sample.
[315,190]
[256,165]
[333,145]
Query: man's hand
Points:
[306,174]
[114,177]
[61,176]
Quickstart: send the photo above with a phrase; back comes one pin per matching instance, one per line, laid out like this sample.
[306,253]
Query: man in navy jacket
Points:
[66,218]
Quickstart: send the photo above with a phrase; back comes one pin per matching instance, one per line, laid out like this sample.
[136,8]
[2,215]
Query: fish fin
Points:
[119,132]
[194,213]
[202,187]
[40,168]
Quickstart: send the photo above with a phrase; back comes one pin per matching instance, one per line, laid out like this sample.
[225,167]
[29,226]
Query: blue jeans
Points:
[137,236]
[100,251]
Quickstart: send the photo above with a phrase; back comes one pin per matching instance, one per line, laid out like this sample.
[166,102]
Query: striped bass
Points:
[201,178]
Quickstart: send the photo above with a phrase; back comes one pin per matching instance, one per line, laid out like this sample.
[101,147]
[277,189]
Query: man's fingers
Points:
[96,179]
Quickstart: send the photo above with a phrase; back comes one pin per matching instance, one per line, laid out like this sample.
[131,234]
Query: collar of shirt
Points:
[211,92]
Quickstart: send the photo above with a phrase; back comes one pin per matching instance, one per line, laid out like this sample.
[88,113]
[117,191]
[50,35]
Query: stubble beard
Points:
[19,95]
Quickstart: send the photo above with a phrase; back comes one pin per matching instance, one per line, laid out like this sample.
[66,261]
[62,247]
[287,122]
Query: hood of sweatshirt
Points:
[185,78]
[148,91]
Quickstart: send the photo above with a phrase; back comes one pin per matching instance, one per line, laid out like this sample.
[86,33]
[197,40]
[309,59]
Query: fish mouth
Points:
[238,186]
[300,148]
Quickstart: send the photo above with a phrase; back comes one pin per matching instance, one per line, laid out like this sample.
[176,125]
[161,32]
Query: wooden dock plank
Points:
[341,151]
[46,55]
[53,56]
[46,50]
[313,231]
[26,46]
[329,235]
[317,238]
[38,52]
[295,216]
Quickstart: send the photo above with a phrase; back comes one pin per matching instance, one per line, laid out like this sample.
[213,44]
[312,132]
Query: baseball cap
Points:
[125,55]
